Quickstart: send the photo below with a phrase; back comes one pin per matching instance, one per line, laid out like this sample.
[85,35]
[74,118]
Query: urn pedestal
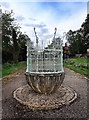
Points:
[44,76]
[45,83]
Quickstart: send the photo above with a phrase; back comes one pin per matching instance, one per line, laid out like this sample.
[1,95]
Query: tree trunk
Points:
[15,47]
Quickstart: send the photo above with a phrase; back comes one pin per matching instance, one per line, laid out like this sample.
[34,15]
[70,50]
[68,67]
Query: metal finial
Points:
[36,36]
[42,44]
[34,28]
[54,33]
[55,29]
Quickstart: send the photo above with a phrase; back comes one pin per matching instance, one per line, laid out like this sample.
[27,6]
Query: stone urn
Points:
[44,83]
[45,71]
[44,77]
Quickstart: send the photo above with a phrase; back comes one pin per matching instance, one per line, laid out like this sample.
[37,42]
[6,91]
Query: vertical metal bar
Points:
[36,38]
[54,47]
[36,49]
[61,57]
[54,62]
[29,61]
[54,37]
[49,61]
[27,57]
[37,62]
[42,56]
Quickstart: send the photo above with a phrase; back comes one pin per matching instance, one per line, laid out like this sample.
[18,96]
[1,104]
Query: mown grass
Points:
[8,68]
[79,65]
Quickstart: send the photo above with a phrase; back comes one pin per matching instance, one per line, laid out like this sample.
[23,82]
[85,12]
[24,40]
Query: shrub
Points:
[7,65]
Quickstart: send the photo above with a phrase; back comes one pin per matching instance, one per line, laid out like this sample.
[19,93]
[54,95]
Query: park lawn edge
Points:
[77,70]
[13,69]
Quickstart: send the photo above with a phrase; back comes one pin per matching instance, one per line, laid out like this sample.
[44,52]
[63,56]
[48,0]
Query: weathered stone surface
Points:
[26,96]
[45,83]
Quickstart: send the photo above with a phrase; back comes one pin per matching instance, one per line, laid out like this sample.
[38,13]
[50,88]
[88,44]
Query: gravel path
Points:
[78,109]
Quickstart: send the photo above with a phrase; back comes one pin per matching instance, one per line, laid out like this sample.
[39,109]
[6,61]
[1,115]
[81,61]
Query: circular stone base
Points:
[26,96]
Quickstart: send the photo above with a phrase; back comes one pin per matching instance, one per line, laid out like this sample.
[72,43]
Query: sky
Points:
[45,16]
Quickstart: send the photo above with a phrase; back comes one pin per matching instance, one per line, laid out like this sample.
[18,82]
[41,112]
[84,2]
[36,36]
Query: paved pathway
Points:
[78,109]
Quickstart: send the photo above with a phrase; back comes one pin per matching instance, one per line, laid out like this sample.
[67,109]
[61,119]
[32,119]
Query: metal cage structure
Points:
[45,65]
[45,60]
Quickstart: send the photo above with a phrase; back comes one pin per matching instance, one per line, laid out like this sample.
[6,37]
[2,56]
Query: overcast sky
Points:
[45,16]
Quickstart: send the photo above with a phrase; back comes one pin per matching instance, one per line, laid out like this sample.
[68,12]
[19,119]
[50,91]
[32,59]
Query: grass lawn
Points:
[8,68]
[79,65]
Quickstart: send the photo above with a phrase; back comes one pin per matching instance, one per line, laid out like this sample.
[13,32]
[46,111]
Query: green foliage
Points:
[7,65]
[22,40]
[7,41]
[13,40]
[78,65]
[7,30]
[79,39]
[8,68]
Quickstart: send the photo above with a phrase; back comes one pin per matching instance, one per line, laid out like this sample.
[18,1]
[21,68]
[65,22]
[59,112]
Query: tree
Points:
[22,46]
[85,29]
[15,47]
[7,46]
[71,37]
[13,40]
[10,32]
[79,39]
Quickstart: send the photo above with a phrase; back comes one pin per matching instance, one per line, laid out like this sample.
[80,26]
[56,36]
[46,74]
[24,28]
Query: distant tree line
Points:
[79,39]
[13,40]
